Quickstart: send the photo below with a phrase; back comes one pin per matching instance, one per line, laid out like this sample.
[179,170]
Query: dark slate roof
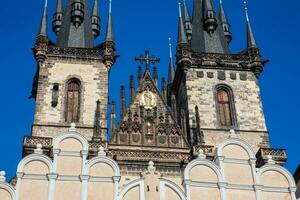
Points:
[70,36]
[202,41]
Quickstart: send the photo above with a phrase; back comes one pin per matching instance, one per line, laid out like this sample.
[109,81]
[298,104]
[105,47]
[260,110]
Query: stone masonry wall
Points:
[201,85]
[94,86]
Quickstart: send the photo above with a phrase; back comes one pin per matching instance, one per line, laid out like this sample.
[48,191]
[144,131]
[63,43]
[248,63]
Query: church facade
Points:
[202,135]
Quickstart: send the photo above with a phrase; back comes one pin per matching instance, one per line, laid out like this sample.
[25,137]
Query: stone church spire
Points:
[43,30]
[109,31]
[251,43]
[182,39]
[171,65]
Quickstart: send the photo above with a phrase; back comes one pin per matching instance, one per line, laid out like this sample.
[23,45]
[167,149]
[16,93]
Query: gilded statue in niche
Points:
[148,100]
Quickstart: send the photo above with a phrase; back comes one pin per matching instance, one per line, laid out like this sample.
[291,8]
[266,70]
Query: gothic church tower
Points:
[71,82]
[215,89]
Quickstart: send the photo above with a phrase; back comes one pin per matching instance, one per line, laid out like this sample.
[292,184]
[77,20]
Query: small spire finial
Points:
[151,167]
[221,2]
[179,9]
[38,149]
[101,151]
[246,11]
[170,47]
[110,6]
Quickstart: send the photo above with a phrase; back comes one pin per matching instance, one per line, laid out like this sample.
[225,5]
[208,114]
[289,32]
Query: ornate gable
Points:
[148,122]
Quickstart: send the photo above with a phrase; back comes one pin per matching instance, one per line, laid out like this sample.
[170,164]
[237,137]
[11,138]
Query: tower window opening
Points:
[73,101]
[225,107]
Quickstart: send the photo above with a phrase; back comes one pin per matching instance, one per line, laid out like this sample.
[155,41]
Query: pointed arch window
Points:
[73,101]
[225,106]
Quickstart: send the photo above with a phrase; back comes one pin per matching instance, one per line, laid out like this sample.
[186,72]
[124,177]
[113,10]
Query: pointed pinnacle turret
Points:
[95,20]
[251,43]
[171,65]
[109,31]
[224,23]
[182,39]
[43,26]
[123,102]
[210,21]
[113,117]
[155,76]
[131,89]
[97,124]
[140,75]
[57,17]
[187,21]
[186,15]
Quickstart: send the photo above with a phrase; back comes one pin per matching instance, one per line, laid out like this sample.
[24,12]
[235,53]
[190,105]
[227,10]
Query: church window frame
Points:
[76,83]
[231,107]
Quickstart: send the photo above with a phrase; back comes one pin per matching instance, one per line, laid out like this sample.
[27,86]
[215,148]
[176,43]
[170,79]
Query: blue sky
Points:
[140,25]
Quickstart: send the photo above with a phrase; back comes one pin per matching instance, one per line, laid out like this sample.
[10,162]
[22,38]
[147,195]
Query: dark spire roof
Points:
[57,17]
[210,39]
[76,29]
[109,31]
[224,23]
[95,19]
[182,39]
[251,43]
[186,15]
[95,8]
[171,65]
[43,25]
[223,17]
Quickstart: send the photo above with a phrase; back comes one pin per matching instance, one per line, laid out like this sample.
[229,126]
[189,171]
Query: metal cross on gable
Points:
[147,59]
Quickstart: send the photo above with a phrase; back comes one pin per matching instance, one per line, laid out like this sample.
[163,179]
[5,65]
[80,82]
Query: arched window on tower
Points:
[225,106]
[73,101]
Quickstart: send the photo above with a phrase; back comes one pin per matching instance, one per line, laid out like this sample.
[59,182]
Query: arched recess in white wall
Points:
[35,157]
[203,162]
[67,135]
[106,170]
[25,184]
[166,183]
[235,141]
[102,159]
[278,184]
[192,187]
[279,169]
[237,162]
[9,188]
[136,183]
